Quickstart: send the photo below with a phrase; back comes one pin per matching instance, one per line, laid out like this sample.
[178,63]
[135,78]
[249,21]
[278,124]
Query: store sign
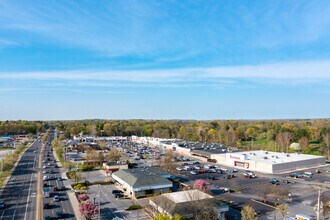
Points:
[234,157]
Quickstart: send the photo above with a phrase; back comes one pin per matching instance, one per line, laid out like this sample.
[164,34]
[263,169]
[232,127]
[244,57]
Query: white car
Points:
[179,168]
[193,172]
[45,178]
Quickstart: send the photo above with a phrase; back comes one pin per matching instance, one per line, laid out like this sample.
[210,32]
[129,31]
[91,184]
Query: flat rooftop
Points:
[275,157]
[187,196]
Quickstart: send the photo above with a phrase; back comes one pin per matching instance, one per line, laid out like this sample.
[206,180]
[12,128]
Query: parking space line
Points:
[14,215]
[3,214]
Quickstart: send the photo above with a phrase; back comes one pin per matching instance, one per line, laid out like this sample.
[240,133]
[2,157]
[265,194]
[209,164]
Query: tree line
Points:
[22,127]
[312,135]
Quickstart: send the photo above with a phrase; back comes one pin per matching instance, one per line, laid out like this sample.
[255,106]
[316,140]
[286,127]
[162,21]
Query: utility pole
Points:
[2,164]
[318,204]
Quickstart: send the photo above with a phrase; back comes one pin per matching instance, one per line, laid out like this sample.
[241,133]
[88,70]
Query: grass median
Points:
[9,162]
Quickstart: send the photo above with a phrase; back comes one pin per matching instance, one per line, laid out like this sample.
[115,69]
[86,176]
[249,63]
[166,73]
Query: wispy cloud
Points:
[304,72]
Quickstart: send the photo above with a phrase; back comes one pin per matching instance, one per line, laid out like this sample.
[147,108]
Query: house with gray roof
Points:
[141,182]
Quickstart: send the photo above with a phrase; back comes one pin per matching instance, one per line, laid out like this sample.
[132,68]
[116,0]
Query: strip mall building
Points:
[268,162]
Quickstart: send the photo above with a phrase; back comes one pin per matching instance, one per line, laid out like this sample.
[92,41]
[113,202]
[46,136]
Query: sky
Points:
[203,60]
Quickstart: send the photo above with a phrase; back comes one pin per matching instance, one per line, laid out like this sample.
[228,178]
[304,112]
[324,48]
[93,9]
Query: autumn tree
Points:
[248,213]
[284,140]
[326,138]
[91,155]
[167,162]
[283,209]
[114,155]
[304,142]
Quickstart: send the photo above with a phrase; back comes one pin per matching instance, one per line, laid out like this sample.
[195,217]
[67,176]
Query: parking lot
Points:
[112,207]
[243,188]
[249,189]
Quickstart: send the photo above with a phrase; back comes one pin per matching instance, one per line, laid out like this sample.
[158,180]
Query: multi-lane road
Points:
[20,192]
[63,204]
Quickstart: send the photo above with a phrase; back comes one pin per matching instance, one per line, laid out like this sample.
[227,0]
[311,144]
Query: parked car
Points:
[212,171]
[55,188]
[115,191]
[119,195]
[193,172]
[293,174]
[2,204]
[179,168]
[56,198]
[197,167]
[46,206]
[213,178]
[59,214]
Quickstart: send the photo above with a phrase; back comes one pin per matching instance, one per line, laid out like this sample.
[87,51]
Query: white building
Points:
[183,201]
[268,162]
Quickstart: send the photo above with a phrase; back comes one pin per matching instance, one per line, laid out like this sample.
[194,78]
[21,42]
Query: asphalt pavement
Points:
[20,192]
[63,204]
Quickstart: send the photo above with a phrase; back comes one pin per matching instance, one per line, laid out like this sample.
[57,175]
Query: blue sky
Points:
[164,59]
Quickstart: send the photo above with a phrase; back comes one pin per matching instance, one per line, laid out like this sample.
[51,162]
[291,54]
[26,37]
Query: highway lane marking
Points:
[28,198]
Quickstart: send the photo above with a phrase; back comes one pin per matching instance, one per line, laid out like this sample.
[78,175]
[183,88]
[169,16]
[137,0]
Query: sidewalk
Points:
[71,194]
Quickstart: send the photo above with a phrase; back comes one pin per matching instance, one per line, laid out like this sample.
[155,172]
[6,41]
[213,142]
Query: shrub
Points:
[80,186]
[83,197]
[87,167]
[134,207]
